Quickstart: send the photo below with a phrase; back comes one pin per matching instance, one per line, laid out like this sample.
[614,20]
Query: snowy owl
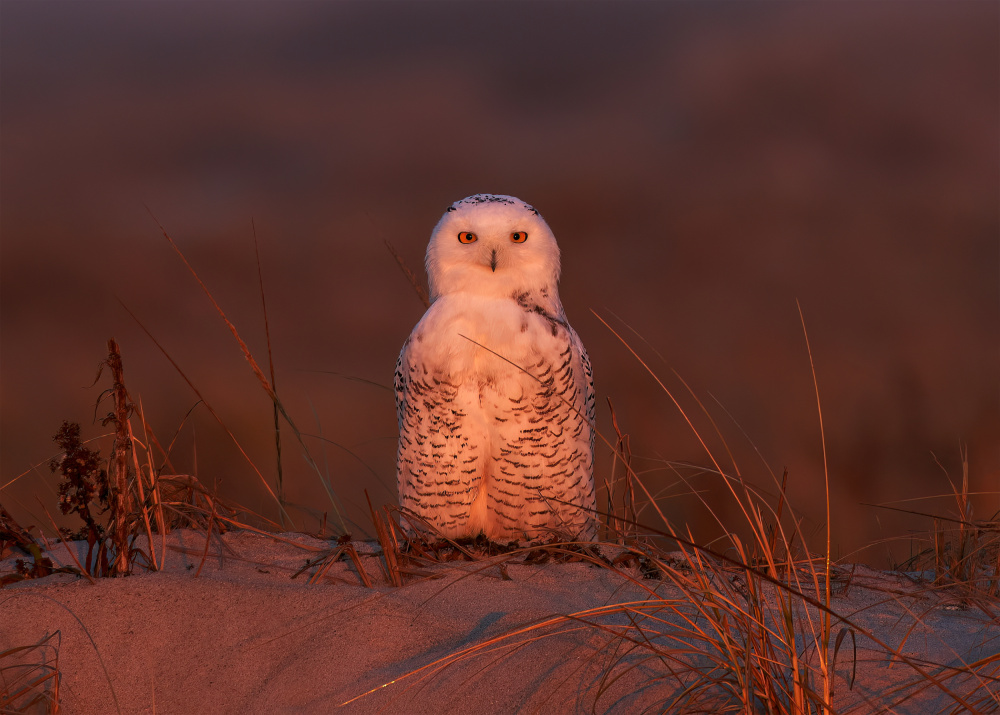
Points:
[494,391]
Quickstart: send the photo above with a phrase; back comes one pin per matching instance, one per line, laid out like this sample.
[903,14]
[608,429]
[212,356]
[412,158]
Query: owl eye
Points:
[466,237]
[519,237]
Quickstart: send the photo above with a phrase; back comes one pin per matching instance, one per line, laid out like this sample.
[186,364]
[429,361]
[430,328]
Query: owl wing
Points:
[587,374]
[542,476]
[442,444]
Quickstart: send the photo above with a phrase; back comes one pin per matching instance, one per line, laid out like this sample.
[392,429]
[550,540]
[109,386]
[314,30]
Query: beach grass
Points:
[29,677]
[745,625]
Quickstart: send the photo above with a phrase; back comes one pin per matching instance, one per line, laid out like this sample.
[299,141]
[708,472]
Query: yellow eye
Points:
[519,237]
[466,237]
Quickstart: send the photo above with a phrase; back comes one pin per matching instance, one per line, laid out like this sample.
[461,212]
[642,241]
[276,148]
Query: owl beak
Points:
[493,261]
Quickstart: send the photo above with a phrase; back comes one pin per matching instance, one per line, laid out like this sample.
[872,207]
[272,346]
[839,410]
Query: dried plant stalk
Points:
[410,276]
[121,497]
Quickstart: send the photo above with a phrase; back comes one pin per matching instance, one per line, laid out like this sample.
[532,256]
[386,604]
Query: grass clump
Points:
[29,678]
[961,552]
[749,623]
[14,537]
[123,501]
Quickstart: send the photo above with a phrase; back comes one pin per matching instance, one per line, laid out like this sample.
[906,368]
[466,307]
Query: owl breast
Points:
[504,399]
[482,339]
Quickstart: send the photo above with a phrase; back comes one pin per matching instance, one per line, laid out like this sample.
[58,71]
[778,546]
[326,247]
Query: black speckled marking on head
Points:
[477,199]
[486,199]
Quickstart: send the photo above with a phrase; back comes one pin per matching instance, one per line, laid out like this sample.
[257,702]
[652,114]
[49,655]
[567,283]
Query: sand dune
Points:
[241,635]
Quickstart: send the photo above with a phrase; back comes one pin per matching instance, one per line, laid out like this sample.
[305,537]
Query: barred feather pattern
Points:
[524,444]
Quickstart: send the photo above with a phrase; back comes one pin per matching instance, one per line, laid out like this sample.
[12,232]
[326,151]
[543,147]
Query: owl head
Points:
[492,245]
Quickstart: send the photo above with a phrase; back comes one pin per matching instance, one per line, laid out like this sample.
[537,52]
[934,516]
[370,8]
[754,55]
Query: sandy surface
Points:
[244,637]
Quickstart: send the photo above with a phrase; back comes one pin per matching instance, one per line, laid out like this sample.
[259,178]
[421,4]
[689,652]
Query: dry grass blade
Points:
[208,539]
[410,275]
[387,541]
[29,677]
[270,364]
[190,504]
[622,454]
[687,387]
[155,503]
[323,562]
[827,677]
[349,549]
[264,382]
[86,632]
[666,391]
[208,406]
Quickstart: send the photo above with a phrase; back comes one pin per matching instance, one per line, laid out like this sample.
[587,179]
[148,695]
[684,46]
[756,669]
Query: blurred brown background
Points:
[703,166]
